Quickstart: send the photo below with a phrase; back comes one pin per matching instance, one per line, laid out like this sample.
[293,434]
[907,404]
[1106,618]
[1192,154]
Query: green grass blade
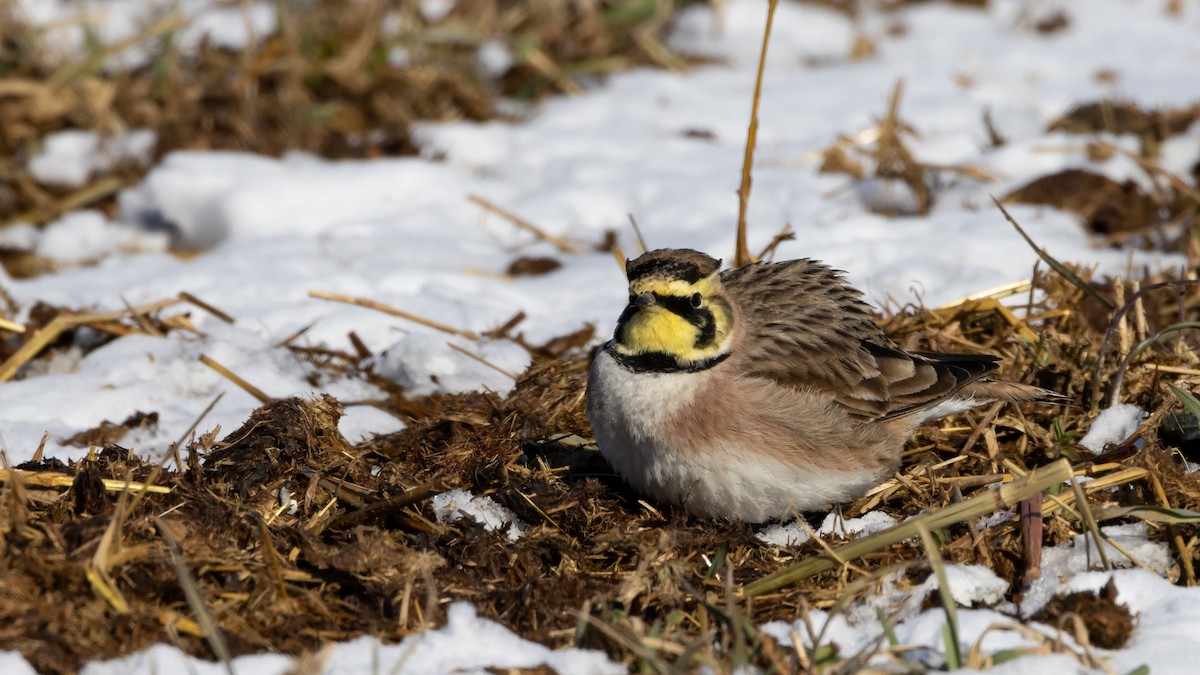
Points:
[1054,264]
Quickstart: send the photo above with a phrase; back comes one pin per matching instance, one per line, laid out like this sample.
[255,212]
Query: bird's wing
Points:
[805,326]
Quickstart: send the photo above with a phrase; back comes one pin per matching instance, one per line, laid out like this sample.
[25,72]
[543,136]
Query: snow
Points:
[1112,425]
[425,364]
[82,236]
[402,232]
[1065,561]
[13,663]
[454,504]
[466,644]
[69,158]
[64,25]
[794,534]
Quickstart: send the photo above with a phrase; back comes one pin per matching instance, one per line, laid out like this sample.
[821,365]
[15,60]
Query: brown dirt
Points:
[1108,624]
[1107,207]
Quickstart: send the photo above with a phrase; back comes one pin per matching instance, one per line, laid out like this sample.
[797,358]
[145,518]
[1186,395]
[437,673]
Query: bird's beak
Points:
[644,300]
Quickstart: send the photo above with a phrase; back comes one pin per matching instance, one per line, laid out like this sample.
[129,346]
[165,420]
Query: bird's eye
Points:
[696,301]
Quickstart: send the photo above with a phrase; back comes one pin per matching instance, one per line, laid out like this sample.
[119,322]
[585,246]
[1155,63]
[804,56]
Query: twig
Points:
[234,378]
[212,632]
[637,232]
[51,479]
[1032,526]
[386,309]
[556,241]
[482,360]
[62,323]
[742,255]
[785,234]
[189,298]
[1037,480]
[11,326]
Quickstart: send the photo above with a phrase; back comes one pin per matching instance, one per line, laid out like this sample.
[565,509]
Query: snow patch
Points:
[1079,555]
[793,534]
[87,236]
[1113,425]
[467,643]
[70,158]
[426,364]
[453,505]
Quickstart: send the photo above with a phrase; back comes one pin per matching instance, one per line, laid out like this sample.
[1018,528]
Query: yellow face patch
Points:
[655,329]
[672,325]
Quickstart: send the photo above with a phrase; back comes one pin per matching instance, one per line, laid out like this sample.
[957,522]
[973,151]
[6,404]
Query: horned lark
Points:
[769,388]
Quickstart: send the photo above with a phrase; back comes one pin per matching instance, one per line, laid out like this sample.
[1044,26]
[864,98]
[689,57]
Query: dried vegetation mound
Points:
[336,80]
[291,536]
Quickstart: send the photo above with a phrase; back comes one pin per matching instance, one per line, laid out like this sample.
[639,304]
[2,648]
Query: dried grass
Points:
[323,82]
[217,546]
[363,553]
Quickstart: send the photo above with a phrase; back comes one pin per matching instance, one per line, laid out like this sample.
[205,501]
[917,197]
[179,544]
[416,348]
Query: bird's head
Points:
[679,317]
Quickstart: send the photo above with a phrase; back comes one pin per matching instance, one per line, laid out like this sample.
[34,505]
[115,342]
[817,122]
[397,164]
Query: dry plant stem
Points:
[268,548]
[41,448]
[146,324]
[1089,521]
[1153,168]
[545,65]
[173,451]
[1031,538]
[1036,481]
[1185,559]
[110,543]
[619,255]
[11,326]
[1133,302]
[387,309]
[388,505]
[995,293]
[95,59]
[741,255]
[556,241]
[53,479]
[212,632]
[234,378]
[62,323]
[1119,378]
[1124,339]
[637,232]
[785,234]
[482,360]
[76,200]
[191,299]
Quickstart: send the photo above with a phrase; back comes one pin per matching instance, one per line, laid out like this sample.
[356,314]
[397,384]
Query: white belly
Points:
[631,415]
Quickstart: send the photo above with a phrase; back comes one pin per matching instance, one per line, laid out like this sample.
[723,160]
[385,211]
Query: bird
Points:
[765,390]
